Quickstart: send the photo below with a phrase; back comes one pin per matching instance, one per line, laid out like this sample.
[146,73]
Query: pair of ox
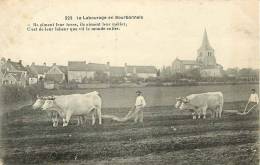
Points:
[199,104]
[66,106]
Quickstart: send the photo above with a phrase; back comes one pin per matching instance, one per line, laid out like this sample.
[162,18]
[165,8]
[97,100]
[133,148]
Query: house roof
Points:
[189,62]
[54,77]
[117,70]
[39,69]
[17,65]
[77,66]
[205,42]
[16,75]
[64,69]
[96,67]
[142,69]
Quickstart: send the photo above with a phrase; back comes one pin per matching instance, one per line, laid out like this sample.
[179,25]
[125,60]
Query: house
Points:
[1,77]
[80,72]
[77,71]
[140,71]
[2,71]
[57,74]
[117,71]
[11,66]
[96,70]
[39,71]
[205,62]
[181,66]
[14,78]
[14,73]
[32,78]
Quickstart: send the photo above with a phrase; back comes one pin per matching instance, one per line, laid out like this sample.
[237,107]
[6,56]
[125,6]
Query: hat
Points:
[253,90]
[138,91]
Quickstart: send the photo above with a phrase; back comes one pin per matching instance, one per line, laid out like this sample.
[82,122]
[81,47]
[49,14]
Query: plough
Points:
[245,112]
[127,117]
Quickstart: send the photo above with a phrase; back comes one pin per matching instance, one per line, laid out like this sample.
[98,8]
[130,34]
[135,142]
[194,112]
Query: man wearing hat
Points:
[139,106]
[253,99]
[137,111]
[252,102]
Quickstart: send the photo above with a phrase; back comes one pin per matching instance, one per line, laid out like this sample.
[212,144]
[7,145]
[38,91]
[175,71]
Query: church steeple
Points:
[206,55]
[205,42]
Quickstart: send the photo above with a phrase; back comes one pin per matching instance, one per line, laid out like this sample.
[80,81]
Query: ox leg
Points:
[199,115]
[213,114]
[220,111]
[204,110]
[81,120]
[194,115]
[217,112]
[55,120]
[68,116]
[78,119]
[93,117]
[99,116]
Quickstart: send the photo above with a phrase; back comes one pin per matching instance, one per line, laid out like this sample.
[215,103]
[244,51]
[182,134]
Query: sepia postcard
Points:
[129,82]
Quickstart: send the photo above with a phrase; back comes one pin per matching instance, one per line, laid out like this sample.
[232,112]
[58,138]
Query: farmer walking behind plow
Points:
[135,112]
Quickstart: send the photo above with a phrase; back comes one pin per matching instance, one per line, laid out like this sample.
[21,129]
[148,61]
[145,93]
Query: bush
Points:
[14,93]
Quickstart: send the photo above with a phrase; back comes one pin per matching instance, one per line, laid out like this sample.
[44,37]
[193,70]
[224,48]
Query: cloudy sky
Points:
[169,29]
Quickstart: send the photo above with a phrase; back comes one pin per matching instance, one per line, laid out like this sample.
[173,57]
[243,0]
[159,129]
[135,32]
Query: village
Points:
[80,74]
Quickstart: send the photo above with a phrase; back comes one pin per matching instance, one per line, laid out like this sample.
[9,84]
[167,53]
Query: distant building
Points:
[39,71]
[140,71]
[13,73]
[80,72]
[14,78]
[57,74]
[2,71]
[205,62]
[117,71]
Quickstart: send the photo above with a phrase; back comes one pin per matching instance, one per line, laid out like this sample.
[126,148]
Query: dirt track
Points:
[27,137]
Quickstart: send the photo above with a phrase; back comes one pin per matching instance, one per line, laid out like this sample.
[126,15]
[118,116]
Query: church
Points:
[205,62]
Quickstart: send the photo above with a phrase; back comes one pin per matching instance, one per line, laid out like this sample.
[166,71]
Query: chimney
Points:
[54,64]
[44,64]
[9,60]
[108,65]
[20,61]
[126,69]
[3,59]
[33,63]
[134,70]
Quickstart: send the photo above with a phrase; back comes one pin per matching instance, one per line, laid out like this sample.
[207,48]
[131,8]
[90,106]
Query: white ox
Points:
[199,103]
[67,105]
[52,113]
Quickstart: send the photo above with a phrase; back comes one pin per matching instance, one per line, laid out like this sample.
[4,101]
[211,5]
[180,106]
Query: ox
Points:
[52,114]
[199,103]
[76,104]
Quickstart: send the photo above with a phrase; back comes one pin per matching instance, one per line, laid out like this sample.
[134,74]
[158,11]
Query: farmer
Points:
[139,106]
[253,99]
[137,110]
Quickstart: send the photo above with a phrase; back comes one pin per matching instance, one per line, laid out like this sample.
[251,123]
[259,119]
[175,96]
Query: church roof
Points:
[205,42]
[189,62]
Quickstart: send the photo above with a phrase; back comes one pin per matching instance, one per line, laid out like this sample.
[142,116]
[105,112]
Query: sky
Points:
[170,29]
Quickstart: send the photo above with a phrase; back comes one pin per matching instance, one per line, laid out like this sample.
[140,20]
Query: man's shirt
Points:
[140,102]
[254,98]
